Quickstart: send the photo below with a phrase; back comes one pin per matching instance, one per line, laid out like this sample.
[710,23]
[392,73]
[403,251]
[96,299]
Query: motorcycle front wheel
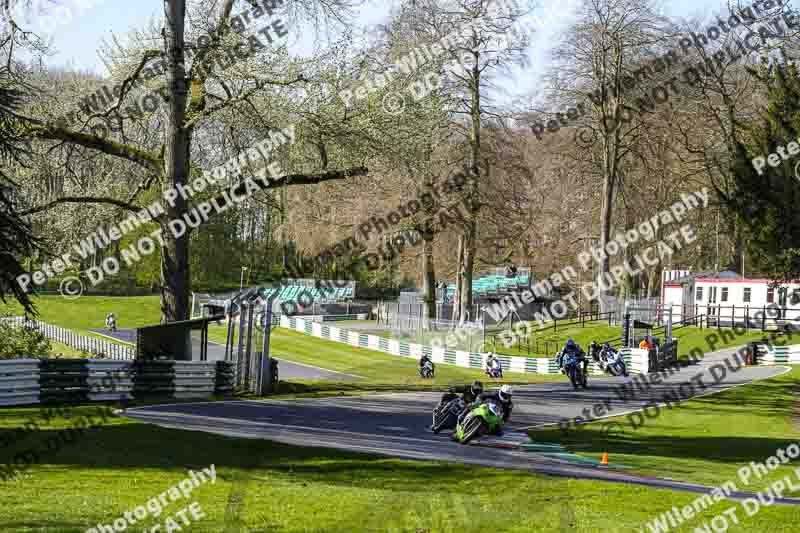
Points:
[573,379]
[473,429]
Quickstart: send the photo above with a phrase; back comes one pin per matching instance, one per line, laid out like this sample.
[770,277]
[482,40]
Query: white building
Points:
[728,296]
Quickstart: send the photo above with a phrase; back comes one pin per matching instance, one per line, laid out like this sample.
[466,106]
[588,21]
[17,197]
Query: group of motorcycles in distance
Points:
[607,358]
[471,421]
[494,368]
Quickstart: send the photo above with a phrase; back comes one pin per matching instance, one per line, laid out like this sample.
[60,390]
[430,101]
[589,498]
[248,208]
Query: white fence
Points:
[636,359]
[92,345]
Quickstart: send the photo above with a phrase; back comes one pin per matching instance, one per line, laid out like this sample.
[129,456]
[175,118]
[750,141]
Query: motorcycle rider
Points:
[594,351]
[111,322]
[493,361]
[469,393]
[426,358]
[501,397]
[572,348]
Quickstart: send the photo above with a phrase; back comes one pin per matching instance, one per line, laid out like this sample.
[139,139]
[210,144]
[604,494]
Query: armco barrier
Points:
[109,380]
[636,359]
[63,380]
[19,381]
[32,381]
[175,379]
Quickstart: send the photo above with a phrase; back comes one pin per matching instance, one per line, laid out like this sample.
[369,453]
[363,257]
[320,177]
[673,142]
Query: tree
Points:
[16,238]
[765,199]
[597,59]
[190,88]
[492,43]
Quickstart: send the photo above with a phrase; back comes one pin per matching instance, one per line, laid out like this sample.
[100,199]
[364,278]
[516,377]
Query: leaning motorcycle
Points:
[485,419]
[613,363]
[574,371]
[445,416]
[427,370]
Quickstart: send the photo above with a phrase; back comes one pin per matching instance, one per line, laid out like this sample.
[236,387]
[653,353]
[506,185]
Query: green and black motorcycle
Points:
[483,420]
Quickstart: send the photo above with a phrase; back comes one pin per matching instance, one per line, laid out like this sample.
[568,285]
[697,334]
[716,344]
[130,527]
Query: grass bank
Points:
[705,440]
[263,486]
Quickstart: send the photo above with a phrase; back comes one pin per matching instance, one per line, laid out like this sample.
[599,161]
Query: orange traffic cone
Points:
[604,459]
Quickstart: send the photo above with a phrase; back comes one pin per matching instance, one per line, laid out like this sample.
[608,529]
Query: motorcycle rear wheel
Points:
[440,418]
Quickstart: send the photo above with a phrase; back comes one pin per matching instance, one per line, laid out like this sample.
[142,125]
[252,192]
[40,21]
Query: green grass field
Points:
[380,371]
[689,338]
[705,440]
[263,486]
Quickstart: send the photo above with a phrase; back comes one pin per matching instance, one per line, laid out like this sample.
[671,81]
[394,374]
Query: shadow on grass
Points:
[753,411]
[128,445]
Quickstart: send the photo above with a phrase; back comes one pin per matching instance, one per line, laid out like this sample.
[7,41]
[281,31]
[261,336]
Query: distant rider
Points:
[594,351]
[493,361]
[424,359]
[111,322]
[572,348]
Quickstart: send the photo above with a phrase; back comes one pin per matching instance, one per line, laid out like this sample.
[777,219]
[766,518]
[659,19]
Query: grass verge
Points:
[705,440]
[379,371]
[263,486]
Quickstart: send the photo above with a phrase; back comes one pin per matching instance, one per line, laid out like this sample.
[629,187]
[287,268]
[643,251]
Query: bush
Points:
[23,342]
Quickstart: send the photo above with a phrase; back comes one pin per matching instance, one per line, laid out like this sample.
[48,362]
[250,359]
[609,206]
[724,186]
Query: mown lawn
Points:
[378,370]
[263,486]
[705,440]
[58,349]
[89,312]
[689,338]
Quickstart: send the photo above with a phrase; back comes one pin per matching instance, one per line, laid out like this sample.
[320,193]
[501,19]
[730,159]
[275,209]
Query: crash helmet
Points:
[504,393]
[570,343]
[476,387]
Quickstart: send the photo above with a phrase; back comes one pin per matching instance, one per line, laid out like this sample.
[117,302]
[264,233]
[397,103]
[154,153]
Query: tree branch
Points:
[42,130]
[81,200]
[265,183]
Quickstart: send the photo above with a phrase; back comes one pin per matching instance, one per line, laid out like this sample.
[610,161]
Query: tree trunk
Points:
[428,276]
[175,280]
[468,262]
[605,230]
[472,192]
[652,282]
[459,274]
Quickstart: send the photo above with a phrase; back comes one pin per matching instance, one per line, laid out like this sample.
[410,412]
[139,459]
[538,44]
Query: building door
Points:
[712,299]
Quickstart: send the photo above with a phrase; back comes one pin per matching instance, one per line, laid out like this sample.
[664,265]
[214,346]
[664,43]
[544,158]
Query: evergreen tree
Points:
[766,203]
[16,238]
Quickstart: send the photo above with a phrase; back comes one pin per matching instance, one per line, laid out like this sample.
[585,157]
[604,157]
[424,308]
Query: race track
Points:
[396,424]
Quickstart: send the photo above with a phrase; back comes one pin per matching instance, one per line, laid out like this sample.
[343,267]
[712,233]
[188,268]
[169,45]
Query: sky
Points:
[78,27]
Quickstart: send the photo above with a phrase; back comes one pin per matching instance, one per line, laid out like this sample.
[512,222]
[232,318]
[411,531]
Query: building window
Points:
[699,294]
[724,295]
[770,296]
[746,297]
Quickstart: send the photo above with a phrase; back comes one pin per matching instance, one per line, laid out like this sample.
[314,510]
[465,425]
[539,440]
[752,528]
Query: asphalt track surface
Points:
[287,370]
[396,424]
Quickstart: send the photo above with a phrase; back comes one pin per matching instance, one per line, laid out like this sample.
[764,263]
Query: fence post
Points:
[764,319]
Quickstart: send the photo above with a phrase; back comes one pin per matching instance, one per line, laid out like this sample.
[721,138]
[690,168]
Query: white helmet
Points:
[504,393]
